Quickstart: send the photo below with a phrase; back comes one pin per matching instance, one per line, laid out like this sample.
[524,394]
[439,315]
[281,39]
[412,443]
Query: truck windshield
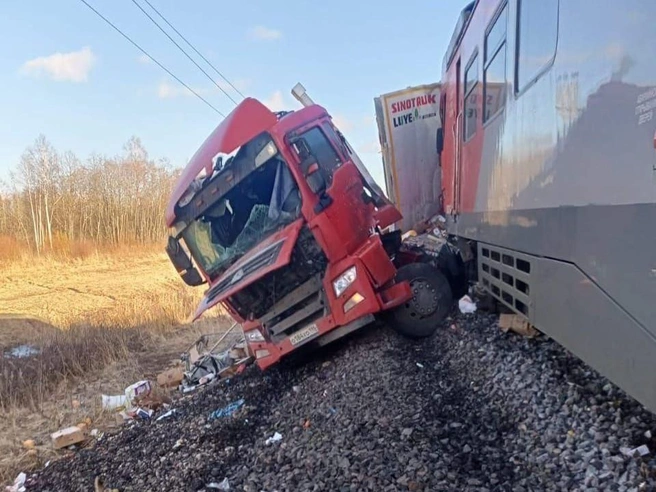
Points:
[264,202]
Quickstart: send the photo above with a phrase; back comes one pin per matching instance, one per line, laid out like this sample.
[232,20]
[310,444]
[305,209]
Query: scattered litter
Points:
[29,444]
[517,324]
[189,389]
[226,411]
[224,485]
[114,402]
[419,365]
[466,305]
[153,400]
[275,438]
[96,433]
[66,437]
[203,364]
[138,389]
[639,451]
[178,444]
[145,414]
[19,483]
[22,351]
[306,424]
[648,434]
[165,415]
[171,378]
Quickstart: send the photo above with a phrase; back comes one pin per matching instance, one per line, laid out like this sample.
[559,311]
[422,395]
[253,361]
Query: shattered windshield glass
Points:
[264,202]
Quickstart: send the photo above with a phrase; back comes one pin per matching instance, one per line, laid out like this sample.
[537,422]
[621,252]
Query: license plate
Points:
[304,334]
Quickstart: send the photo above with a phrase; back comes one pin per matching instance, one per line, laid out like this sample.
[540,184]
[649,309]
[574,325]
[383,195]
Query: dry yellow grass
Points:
[101,323]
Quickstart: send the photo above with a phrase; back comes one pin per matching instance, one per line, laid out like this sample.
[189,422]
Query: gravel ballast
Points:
[471,408]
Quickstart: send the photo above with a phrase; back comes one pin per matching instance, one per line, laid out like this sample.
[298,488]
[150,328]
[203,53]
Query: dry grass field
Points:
[98,323]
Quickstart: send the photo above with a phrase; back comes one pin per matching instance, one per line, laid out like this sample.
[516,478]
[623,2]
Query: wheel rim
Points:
[424,300]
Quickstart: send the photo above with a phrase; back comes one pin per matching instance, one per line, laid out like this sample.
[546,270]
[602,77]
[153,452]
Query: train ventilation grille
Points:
[506,275]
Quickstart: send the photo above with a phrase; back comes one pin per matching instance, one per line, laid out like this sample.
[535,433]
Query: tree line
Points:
[55,196]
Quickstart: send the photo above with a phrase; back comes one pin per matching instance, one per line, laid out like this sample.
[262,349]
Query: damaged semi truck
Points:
[278,215]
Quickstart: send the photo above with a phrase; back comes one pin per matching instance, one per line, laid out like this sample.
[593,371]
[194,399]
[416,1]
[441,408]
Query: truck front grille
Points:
[296,310]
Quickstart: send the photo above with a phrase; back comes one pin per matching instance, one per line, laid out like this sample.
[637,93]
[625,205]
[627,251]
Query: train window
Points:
[471,110]
[494,71]
[537,38]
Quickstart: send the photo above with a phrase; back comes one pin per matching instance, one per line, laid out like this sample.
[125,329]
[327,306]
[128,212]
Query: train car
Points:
[549,171]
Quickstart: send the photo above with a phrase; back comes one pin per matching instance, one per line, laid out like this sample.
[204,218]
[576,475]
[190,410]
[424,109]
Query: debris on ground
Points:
[275,438]
[493,412]
[204,363]
[171,378]
[18,485]
[517,324]
[467,305]
[114,402]
[29,444]
[226,411]
[140,389]
[67,437]
[223,485]
[166,415]
[639,451]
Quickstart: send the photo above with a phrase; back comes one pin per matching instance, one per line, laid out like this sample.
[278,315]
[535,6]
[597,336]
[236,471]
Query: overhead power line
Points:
[151,58]
[184,52]
[194,48]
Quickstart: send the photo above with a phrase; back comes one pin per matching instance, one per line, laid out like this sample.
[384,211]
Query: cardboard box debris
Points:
[171,378]
[67,437]
[138,389]
[516,323]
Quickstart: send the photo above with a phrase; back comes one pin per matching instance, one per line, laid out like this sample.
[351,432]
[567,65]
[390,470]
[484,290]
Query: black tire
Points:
[432,301]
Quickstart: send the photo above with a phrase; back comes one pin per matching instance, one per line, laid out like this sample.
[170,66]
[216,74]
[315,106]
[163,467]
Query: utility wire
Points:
[194,48]
[151,58]
[183,51]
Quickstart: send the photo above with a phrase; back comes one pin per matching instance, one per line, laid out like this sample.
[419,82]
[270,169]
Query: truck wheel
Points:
[430,304]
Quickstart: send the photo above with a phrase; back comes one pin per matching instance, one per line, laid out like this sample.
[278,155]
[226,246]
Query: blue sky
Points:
[69,76]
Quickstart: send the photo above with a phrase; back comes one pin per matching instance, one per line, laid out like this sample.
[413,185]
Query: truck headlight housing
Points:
[254,336]
[341,283]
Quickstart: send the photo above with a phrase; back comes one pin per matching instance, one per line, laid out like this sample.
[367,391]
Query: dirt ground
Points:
[40,300]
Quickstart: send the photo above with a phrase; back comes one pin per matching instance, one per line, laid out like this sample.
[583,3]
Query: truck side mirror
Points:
[439,140]
[182,263]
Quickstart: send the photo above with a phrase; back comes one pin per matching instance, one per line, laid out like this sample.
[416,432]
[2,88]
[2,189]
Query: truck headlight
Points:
[341,283]
[254,336]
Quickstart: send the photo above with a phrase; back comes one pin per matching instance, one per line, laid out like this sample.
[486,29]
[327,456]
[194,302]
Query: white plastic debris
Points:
[639,451]
[642,450]
[648,434]
[114,402]
[19,483]
[419,365]
[224,485]
[275,438]
[466,305]
[166,415]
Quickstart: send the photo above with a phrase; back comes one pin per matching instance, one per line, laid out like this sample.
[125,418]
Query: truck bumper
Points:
[345,316]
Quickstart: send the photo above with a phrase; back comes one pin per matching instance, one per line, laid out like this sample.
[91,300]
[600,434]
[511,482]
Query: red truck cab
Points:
[285,225]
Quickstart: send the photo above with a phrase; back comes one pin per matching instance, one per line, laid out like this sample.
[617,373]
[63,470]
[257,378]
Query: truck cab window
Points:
[324,153]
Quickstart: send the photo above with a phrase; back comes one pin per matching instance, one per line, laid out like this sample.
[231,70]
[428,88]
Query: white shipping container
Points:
[408,121]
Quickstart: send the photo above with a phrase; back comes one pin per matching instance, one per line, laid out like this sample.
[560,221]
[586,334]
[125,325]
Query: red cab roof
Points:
[246,121]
